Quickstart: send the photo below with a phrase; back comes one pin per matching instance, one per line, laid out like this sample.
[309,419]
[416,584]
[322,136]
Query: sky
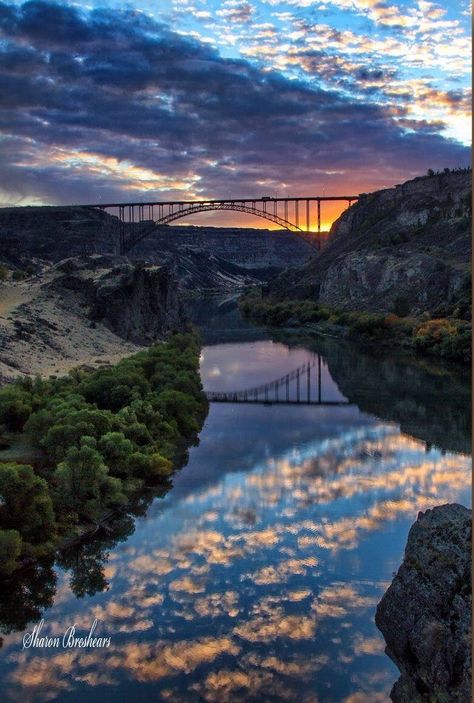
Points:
[197,99]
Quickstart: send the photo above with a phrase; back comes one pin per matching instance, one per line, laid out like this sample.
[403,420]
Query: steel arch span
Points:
[206,207]
[228,206]
[138,220]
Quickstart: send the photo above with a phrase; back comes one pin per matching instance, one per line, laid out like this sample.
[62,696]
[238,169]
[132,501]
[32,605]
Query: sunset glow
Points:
[203,99]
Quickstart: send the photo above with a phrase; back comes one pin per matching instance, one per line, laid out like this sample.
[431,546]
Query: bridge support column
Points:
[319,378]
[319,215]
[121,231]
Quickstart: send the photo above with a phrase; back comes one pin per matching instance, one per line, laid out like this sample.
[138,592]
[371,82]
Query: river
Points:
[256,577]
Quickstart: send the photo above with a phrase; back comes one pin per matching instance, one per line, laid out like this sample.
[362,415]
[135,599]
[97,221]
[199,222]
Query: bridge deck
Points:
[298,198]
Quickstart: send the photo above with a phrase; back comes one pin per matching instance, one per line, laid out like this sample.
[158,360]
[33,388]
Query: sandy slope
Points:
[46,331]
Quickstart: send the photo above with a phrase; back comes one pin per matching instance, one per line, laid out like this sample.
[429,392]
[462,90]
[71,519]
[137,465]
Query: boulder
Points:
[425,615]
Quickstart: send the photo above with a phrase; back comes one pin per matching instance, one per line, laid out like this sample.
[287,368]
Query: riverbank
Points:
[77,447]
[448,339]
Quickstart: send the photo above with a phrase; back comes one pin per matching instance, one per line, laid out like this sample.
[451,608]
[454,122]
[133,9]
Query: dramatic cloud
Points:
[113,104]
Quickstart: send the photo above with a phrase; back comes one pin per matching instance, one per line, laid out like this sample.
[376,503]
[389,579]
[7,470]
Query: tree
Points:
[25,504]
[116,450]
[10,550]
[430,172]
[150,466]
[83,482]
[15,407]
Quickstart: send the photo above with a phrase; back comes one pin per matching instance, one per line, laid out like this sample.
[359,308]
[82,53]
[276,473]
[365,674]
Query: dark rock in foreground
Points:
[425,616]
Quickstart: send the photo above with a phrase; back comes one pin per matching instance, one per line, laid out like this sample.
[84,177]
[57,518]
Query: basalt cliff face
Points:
[425,616]
[411,241]
[138,302]
[201,257]
[85,310]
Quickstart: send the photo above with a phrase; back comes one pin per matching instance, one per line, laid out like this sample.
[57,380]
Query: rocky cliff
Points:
[425,616]
[201,257]
[54,233]
[85,310]
[412,242]
[138,302]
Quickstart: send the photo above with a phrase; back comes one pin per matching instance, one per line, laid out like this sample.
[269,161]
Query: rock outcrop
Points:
[412,241]
[139,302]
[85,310]
[425,615]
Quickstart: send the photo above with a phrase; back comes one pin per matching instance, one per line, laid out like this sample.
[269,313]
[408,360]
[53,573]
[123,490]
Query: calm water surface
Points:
[257,576]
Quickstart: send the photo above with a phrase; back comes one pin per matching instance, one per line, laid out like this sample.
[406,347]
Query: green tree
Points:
[15,407]
[116,450]
[150,466]
[83,482]
[25,504]
[10,550]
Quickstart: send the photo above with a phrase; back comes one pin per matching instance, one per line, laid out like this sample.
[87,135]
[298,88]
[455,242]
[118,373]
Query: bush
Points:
[371,325]
[450,339]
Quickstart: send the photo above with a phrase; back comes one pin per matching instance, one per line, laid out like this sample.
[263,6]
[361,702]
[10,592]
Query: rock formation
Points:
[85,310]
[411,241]
[425,616]
[139,302]
[214,258]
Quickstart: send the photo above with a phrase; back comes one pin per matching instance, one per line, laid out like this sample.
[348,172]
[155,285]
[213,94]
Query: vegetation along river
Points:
[256,576]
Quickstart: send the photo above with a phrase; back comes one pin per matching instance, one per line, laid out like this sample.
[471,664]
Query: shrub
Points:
[450,339]
[371,325]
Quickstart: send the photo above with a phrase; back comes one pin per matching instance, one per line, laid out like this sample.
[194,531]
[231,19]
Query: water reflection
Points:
[256,577]
[429,400]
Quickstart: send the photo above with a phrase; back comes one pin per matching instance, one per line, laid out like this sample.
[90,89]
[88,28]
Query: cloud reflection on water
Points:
[259,584]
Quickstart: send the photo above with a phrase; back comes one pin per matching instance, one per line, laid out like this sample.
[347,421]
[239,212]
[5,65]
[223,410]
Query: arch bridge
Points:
[302,386]
[138,220]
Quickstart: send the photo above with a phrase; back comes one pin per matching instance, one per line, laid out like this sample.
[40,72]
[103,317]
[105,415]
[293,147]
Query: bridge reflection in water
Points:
[303,386]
